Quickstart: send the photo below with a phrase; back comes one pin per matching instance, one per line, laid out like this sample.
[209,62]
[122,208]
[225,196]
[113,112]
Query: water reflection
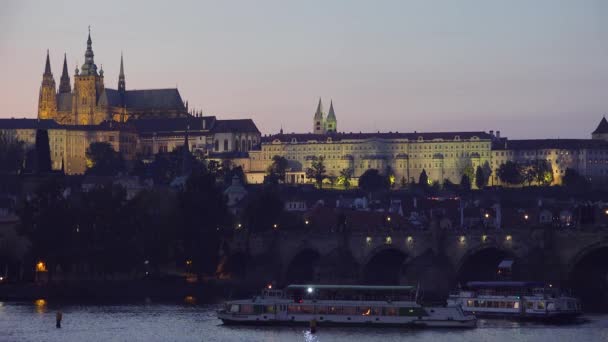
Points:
[190,300]
[40,305]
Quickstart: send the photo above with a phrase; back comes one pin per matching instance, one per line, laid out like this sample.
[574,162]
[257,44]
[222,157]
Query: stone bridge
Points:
[437,260]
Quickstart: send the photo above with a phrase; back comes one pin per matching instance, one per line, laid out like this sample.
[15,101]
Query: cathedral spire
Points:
[121,77]
[331,123]
[89,68]
[47,67]
[319,121]
[64,83]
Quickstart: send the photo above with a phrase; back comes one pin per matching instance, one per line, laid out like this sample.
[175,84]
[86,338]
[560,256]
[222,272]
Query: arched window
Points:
[225,144]
[216,146]
[243,145]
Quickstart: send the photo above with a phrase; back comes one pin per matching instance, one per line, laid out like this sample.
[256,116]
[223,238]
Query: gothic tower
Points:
[47,101]
[121,80]
[88,86]
[319,121]
[331,123]
[64,83]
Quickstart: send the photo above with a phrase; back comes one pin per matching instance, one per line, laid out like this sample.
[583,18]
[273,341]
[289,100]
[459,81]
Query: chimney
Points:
[492,132]
[497,134]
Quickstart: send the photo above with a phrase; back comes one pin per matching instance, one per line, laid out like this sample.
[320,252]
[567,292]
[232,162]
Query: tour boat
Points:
[518,299]
[342,305]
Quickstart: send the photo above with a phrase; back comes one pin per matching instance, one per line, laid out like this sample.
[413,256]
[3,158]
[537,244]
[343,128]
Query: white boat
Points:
[342,305]
[518,299]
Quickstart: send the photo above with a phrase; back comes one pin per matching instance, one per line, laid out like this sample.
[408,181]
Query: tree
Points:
[543,172]
[263,210]
[345,177]
[423,180]
[276,170]
[464,165]
[372,181]
[45,219]
[102,160]
[573,180]
[12,154]
[480,178]
[317,171]
[203,215]
[448,185]
[465,182]
[510,173]
[43,152]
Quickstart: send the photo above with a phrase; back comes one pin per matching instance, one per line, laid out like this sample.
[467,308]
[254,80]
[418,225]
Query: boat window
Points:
[349,310]
[470,303]
[391,311]
[540,305]
[364,310]
[334,310]
[516,305]
[529,305]
[234,308]
[377,311]
[322,310]
[270,309]
[246,309]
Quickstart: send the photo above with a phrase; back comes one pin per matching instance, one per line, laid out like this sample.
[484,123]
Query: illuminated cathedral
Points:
[91,103]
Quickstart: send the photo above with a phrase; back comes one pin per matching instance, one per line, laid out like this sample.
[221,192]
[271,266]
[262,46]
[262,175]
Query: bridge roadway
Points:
[436,259]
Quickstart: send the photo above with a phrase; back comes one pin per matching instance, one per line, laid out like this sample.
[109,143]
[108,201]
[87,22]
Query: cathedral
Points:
[91,103]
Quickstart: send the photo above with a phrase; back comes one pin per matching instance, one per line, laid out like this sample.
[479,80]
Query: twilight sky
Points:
[527,68]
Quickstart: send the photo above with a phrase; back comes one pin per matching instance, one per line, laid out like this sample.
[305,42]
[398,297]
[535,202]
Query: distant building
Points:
[442,155]
[91,103]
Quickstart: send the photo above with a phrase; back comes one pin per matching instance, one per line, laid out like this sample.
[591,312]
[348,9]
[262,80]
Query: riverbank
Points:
[126,290]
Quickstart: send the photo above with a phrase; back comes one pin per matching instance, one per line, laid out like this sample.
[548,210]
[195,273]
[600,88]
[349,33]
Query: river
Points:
[35,321]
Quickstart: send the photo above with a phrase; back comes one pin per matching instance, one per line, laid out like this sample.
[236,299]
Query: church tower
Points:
[319,120]
[47,101]
[64,83]
[88,86]
[331,123]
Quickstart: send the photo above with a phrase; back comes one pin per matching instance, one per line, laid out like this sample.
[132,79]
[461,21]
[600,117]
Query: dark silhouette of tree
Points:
[543,172]
[574,181]
[12,154]
[45,219]
[153,214]
[372,181]
[203,214]
[263,210]
[317,171]
[480,178]
[276,171]
[423,179]
[510,173]
[345,177]
[43,152]
[102,160]
[465,183]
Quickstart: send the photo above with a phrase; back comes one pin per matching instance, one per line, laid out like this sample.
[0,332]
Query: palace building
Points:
[442,155]
[90,102]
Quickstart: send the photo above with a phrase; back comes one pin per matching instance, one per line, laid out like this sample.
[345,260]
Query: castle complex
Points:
[142,123]
[442,155]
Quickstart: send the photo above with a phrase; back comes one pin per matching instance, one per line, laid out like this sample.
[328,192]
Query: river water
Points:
[35,321]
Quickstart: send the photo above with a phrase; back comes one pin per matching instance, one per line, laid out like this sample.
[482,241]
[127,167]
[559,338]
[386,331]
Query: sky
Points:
[531,69]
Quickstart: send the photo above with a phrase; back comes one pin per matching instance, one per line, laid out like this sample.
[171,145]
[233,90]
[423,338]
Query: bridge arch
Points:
[481,262]
[384,266]
[303,266]
[588,275]
[338,266]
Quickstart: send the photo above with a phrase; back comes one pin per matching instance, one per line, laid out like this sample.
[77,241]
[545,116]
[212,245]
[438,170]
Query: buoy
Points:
[58,318]
[313,326]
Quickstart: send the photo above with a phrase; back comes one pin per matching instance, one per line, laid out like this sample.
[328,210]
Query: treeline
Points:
[99,232]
